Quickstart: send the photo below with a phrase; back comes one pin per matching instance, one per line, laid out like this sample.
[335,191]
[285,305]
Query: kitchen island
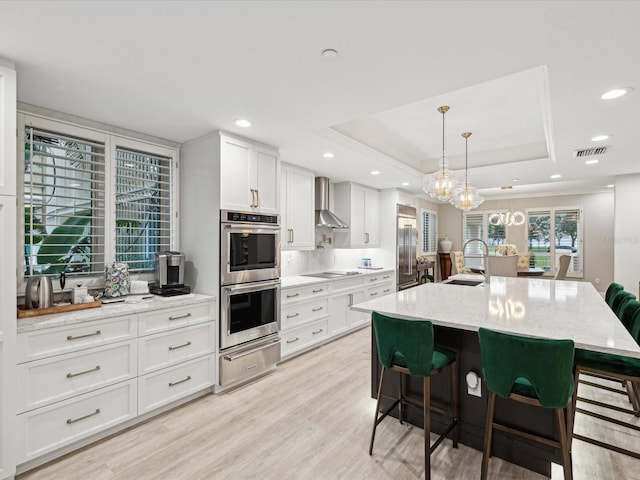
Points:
[532,307]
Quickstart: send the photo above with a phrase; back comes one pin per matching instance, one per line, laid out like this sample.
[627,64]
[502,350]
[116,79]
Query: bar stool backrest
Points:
[409,340]
[546,364]
[613,289]
[621,302]
[628,313]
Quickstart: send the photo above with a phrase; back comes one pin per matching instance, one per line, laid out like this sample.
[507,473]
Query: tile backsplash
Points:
[324,259]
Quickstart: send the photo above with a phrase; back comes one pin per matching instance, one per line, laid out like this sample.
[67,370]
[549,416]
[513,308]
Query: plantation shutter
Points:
[64,205]
[568,237]
[143,207]
[429,232]
[474,228]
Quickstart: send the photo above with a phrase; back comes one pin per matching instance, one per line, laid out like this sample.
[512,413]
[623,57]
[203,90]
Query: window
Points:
[477,225]
[91,198]
[429,232]
[552,233]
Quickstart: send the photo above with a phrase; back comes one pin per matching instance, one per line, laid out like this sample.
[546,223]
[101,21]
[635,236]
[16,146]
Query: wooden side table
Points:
[426,270]
[445,265]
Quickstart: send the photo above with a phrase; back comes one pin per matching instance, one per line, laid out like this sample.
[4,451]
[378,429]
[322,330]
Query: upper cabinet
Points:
[297,214]
[249,176]
[7,129]
[359,207]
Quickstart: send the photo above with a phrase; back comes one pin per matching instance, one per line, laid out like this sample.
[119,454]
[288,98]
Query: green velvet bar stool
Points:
[613,290]
[621,368]
[620,300]
[534,371]
[407,346]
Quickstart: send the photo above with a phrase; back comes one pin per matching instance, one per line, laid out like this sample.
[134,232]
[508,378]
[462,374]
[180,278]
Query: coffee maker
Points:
[169,274]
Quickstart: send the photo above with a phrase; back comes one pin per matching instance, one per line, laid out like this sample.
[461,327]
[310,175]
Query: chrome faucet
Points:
[485,257]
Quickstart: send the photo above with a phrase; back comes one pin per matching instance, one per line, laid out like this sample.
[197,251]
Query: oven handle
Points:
[244,353]
[252,287]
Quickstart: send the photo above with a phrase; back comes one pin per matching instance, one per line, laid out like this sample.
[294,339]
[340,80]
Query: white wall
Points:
[626,238]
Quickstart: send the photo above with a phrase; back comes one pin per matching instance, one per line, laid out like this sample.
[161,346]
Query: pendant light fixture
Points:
[466,197]
[442,184]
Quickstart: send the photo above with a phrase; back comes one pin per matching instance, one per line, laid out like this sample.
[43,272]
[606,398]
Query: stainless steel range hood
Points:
[324,217]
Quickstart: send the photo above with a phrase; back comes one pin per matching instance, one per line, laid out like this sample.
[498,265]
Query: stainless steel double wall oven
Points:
[249,294]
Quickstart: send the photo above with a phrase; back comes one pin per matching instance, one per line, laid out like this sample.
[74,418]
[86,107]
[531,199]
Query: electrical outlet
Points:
[288,260]
[474,384]
[597,281]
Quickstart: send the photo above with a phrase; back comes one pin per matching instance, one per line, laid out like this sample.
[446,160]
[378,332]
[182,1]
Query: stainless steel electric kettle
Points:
[39,293]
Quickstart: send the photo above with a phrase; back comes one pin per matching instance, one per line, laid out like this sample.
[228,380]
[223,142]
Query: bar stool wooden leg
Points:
[454,400]
[488,435]
[375,418]
[400,397]
[564,444]
[573,405]
[427,427]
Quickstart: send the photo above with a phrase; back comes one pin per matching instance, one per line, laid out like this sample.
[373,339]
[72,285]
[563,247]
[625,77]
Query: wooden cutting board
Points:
[71,307]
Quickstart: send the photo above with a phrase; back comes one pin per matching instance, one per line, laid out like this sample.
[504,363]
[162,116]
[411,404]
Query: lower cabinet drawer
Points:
[165,386]
[53,379]
[174,317]
[48,428]
[305,336]
[170,348]
[297,313]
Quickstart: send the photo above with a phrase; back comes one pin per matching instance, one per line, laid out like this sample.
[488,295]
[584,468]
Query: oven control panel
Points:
[244,217]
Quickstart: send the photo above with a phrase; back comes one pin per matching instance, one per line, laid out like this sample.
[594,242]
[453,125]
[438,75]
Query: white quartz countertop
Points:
[133,304]
[300,280]
[527,306]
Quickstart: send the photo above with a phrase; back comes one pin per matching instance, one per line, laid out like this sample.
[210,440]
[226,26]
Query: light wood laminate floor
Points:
[310,419]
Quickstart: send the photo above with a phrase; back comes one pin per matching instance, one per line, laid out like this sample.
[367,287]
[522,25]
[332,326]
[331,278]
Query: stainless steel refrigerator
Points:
[406,243]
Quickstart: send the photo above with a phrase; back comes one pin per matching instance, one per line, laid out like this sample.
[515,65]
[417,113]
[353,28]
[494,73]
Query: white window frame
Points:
[552,255]
[434,218]
[485,224]
[110,140]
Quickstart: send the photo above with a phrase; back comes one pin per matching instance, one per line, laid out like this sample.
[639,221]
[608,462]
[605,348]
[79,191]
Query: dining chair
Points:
[503,265]
[535,371]
[407,347]
[524,260]
[565,261]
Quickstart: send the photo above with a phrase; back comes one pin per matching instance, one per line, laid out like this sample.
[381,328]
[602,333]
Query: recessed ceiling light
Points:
[556,175]
[328,155]
[599,138]
[611,185]
[375,172]
[405,184]
[329,53]
[615,93]
[243,122]
[593,161]
[515,179]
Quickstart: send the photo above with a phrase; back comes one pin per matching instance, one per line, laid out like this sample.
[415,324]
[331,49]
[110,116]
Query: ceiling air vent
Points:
[587,152]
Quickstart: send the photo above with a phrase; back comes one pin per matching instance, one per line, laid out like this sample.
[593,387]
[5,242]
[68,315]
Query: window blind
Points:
[429,232]
[64,204]
[143,207]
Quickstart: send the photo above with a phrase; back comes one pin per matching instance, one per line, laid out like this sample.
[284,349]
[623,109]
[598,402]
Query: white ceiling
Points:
[525,77]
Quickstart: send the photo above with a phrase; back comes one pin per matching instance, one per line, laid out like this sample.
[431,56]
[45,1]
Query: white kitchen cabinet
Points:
[359,207]
[7,129]
[297,215]
[342,318]
[249,176]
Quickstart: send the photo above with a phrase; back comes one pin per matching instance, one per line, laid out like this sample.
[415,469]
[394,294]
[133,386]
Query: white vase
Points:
[445,244]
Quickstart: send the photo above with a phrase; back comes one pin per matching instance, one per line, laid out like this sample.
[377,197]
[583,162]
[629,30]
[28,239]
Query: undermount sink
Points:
[469,283]
[331,274]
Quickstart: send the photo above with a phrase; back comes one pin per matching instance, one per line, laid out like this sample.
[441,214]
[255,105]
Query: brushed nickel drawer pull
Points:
[319,290]
[316,309]
[294,340]
[74,420]
[373,279]
[386,276]
[72,337]
[180,346]
[317,332]
[373,293]
[292,316]
[293,295]
[173,384]
[71,375]
[180,316]
[387,290]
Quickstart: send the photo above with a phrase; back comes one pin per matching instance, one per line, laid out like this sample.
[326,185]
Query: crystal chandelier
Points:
[442,183]
[466,197]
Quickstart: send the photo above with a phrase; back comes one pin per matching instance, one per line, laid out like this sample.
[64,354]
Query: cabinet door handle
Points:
[180,316]
[317,332]
[253,198]
[350,299]
[257,198]
[173,384]
[71,375]
[318,291]
[293,316]
[74,420]
[290,235]
[293,295]
[72,337]
[373,293]
[316,309]
[180,346]
[366,238]
[294,340]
